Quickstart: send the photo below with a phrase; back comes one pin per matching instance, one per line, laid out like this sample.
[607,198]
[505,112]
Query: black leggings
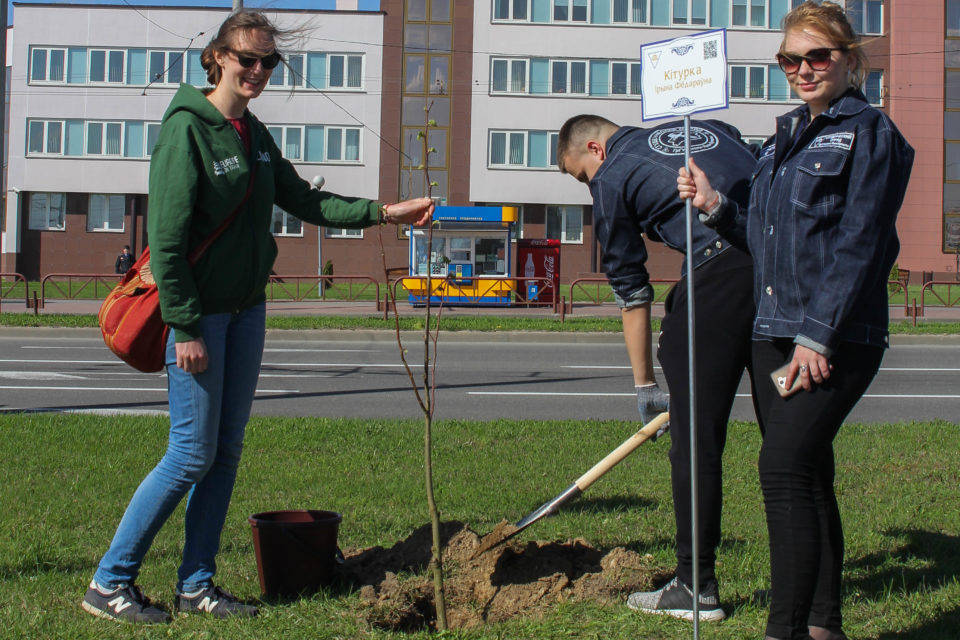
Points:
[724,319]
[796,474]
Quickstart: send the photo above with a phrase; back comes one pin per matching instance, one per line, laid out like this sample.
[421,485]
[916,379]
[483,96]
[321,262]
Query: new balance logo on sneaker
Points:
[125,604]
[676,599]
[214,601]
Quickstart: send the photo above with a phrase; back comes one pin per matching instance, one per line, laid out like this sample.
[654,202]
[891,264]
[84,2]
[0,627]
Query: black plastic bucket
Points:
[296,550]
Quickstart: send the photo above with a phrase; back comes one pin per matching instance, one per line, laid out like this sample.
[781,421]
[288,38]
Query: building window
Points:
[289,73]
[45,137]
[104,138]
[285,224]
[690,12]
[345,72]
[165,67]
[47,211]
[750,82]
[317,143]
[570,10]
[568,77]
[866,16]
[624,78]
[47,65]
[523,150]
[105,212]
[872,88]
[509,76]
[330,232]
[953,18]
[749,13]
[635,11]
[106,65]
[510,9]
[565,223]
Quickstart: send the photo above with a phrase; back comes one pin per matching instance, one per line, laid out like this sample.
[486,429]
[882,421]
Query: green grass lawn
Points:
[66,479]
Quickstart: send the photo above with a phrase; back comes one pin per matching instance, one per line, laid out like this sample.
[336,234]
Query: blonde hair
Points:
[242,22]
[829,19]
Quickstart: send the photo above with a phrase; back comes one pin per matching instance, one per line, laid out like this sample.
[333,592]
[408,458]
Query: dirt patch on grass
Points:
[513,579]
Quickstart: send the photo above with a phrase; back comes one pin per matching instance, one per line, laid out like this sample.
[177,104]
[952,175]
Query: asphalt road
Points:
[479,376]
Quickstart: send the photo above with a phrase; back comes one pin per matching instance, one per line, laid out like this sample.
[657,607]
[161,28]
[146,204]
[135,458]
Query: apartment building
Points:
[90,84]
[499,77]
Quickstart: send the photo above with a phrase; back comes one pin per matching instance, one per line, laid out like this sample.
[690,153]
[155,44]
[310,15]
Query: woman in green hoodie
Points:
[214,159]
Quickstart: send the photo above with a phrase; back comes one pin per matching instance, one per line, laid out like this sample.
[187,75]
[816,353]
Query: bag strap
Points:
[203,246]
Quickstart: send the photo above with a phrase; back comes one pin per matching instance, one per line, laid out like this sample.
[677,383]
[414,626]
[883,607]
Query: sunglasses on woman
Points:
[817,59]
[268,61]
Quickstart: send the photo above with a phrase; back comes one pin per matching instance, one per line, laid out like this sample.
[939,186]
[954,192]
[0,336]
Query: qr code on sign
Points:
[709,49]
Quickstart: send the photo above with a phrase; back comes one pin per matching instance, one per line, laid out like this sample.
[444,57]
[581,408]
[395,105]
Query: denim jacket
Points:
[821,225]
[635,191]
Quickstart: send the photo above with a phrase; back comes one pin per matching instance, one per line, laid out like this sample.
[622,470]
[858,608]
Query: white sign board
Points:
[684,75]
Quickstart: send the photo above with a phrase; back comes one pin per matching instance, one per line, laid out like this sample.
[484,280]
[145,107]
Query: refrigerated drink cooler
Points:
[538,265]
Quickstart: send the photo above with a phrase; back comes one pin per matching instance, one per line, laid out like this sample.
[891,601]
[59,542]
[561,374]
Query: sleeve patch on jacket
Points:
[842,140]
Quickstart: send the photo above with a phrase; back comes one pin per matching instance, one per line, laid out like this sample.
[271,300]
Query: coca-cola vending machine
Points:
[539,259]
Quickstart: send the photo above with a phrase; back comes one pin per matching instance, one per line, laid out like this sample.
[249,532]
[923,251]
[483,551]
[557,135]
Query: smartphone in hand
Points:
[779,378]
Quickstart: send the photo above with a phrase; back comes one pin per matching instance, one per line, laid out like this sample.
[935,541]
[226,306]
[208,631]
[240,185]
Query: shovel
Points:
[505,531]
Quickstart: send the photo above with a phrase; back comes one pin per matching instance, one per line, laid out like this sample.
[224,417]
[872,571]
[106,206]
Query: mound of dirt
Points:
[512,579]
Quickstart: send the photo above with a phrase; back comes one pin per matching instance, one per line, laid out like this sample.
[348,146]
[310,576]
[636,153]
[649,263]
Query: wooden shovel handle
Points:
[621,452]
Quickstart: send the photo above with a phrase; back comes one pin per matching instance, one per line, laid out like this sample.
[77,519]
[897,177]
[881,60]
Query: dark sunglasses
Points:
[817,59]
[268,61]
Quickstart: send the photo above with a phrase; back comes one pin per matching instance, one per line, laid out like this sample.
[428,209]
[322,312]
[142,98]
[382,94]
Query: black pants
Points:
[723,289]
[796,475]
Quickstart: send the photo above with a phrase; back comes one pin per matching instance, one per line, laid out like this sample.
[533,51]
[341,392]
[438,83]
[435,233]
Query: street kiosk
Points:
[470,258]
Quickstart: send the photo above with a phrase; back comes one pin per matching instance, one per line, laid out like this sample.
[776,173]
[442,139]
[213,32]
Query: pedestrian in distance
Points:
[214,158]
[821,226]
[124,261]
[631,173]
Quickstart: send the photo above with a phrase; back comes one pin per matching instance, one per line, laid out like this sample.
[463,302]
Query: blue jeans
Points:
[208,417]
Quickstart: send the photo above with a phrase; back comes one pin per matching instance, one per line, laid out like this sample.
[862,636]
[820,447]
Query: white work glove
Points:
[651,402]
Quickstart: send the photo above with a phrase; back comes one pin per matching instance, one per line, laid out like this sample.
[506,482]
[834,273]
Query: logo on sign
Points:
[669,142]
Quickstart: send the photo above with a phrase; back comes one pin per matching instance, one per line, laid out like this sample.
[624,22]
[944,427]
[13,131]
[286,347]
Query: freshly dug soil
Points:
[512,579]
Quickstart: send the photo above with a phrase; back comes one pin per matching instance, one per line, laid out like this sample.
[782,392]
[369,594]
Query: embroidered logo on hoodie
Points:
[225,166]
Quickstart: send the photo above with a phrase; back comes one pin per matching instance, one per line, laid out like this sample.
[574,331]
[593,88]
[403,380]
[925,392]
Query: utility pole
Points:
[237,5]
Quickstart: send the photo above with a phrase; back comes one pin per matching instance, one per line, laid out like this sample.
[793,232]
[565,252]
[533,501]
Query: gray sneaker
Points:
[124,604]
[676,599]
[215,601]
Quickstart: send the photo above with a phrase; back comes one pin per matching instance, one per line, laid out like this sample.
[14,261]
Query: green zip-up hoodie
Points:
[199,173]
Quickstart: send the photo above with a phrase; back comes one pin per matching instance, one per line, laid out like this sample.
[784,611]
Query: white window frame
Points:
[285,224]
[283,77]
[328,130]
[689,6]
[511,63]
[876,73]
[109,200]
[168,58]
[346,86]
[511,11]
[631,9]
[630,93]
[284,139]
[749,9]
[509,136]
[747,84]
[62,214]
[46,69]
[105,125]
[342,233]
[106,66]
[861,7]
[564,211]
[147,149]
[46,137]
[567,82]
[569,5]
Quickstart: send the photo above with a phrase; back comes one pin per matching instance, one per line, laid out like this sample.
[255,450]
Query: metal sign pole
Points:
[691,332]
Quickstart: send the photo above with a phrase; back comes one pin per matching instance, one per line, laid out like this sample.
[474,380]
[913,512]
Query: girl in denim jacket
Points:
[821,228]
